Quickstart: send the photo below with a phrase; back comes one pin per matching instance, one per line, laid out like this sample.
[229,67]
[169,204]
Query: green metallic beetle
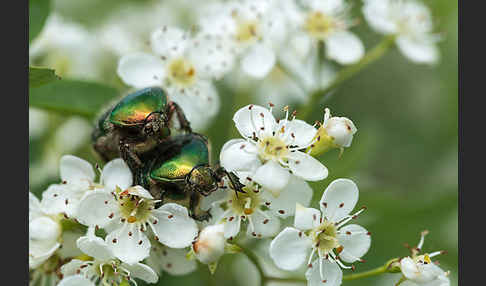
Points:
[179,171]
[135,125]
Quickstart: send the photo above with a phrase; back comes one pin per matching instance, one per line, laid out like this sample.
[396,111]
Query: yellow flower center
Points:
[135,209]
[182,72]
[318,25]
[247,31]
[245,203]
[272,148]
[324,237]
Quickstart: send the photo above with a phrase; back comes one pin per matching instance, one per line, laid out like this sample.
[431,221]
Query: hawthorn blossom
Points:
[126,215]
[257,207]
[104,268]
[314,21]
[183,65]
[44,233]
[420,270]
[170,260]
[325,235]
[272,150]
[253,29]
[411,23]
[335,132]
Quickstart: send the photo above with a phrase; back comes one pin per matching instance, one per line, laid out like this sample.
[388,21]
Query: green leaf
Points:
[38,12]
[72,97]
[39,76]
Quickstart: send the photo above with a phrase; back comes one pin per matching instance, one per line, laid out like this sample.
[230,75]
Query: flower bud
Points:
[335,132]
[210,244]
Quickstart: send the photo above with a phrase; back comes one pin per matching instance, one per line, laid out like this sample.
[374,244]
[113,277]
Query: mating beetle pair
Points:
[173,167]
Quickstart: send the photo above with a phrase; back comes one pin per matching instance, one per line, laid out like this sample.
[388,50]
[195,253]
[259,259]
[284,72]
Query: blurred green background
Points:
[403,157]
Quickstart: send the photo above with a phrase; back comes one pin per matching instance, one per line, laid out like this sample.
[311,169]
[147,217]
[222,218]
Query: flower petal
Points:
[264,225]
[139,191]
[39,257]
[307,167]
[75,280]
[232,227]
[70,268]
[95,247]
[141,271]
[128,243]
[344,47]
[171,260]
[272,177]
[355,241]
[259,61]
[250,119]
[116,173]
[339,199]
[96,209]
[330,272]
[289,248]
[296,191]
[169,42]
[418,50]
[306,218]
[300,132]
[75,169]
[179,230]
[238,154]
[34,207]
[141,70]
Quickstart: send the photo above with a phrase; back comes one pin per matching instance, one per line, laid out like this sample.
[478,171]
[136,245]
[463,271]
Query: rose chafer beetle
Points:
[179,171]
[136,124]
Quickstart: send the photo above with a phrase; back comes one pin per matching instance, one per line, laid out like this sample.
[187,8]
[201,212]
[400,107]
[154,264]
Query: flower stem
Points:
[369,273]
[344,74]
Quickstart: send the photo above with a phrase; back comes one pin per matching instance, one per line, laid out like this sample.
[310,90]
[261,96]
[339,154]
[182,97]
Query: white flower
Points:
[335,132]
[185,67]
[105,268]
[125,214]
[325,235]
[259,208]
[410,21]
[271,149]
[253,29]
[327,21]
[44,233]
[77,177]
[170,260]
[210,243]
[420,270]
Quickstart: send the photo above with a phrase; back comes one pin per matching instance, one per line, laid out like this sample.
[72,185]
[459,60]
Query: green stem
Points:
[288,280]
[369,273]
[344,74]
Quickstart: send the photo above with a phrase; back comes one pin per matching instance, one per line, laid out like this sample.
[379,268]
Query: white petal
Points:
[139,191]
[409,268]
[289,249]
[296,191]
[128,248]
[306,166]
[95,247]
[178,231]
[249,120]
[218,195]
[355,241]
[96,209]
[419,51]
[300,132]
[75,169]
[306,218]
[141,271]
[331,272]
[34,207]
[116,173]
[70,268]
[171,260]
[272,177]
[44,230]
[169,42]
[212,56]
[377,14]
[259,61]
[344,47]
[264,225]
[55,197]
[232,228]
[75,280]
[339,199]
[141,70]
[36,258]
[238,154]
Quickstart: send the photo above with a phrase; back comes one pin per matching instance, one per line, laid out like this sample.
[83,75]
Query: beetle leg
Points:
[234,180]
[195,212]
[181,117]
[129,156]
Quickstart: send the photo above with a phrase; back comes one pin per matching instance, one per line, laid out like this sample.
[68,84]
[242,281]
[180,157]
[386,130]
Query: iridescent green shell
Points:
[135,107]
[193,153]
